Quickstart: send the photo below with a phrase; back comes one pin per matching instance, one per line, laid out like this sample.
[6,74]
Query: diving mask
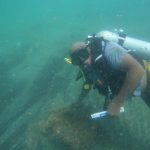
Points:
[79,56]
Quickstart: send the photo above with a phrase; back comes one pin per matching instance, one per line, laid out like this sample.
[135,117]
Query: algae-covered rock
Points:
[73,126]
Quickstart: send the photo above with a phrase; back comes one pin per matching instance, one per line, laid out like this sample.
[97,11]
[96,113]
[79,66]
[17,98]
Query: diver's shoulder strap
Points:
[104,42]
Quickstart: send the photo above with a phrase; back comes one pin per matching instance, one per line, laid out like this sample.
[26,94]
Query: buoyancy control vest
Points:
[101,74]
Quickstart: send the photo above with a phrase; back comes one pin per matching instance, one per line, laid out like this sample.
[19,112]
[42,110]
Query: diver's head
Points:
[80,53]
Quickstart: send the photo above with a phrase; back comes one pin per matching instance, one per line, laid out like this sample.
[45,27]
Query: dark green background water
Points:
[35,36]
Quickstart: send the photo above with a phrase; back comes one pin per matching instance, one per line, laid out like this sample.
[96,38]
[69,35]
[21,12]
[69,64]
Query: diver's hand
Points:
[114,108]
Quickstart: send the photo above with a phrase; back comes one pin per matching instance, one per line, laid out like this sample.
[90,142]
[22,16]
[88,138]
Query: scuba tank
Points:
[140,46]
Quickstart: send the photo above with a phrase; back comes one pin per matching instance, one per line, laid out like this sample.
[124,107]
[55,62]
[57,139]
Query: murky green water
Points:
[36,84]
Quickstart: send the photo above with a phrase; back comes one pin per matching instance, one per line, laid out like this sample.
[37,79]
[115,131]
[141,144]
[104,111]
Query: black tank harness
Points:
[101,75]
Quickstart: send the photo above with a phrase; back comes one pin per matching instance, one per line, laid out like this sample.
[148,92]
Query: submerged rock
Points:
[73,127]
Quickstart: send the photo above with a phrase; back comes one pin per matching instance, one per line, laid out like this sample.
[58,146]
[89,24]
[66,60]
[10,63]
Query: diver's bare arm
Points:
[135,72]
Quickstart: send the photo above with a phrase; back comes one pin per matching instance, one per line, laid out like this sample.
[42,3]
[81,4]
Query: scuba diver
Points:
[116,71]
